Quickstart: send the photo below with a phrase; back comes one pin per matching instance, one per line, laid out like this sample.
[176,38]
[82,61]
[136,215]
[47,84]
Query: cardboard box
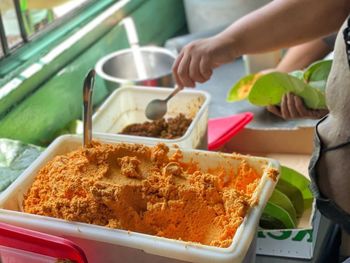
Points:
[292,148]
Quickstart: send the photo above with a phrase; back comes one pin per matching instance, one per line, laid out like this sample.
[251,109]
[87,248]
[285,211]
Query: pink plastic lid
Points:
[14,238]
[221,130]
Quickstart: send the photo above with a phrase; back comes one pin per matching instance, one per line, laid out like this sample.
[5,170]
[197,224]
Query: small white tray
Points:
[127,106]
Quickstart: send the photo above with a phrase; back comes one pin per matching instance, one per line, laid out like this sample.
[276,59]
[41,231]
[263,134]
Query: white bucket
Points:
[203,15]
[258,62]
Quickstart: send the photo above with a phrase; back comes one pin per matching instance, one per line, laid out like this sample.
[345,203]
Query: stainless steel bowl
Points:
[140,66]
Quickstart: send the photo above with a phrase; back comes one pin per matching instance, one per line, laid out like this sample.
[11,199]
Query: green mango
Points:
[296,187]
[270,88]
[299,181]
[294,195]
[241,89]
[280,212]
[282,200]
[288,201]
[270,222]
[276,217]
[298,74]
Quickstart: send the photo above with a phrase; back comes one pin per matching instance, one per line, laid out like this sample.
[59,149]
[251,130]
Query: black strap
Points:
[332,148]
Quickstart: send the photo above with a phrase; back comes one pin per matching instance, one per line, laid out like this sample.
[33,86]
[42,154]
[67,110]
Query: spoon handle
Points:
[176,90]
[87,104]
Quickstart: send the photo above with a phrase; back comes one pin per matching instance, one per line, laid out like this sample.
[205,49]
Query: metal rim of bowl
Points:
[102,61]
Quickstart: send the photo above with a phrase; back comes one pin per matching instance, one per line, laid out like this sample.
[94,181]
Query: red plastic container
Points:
[19,245]
[221,130]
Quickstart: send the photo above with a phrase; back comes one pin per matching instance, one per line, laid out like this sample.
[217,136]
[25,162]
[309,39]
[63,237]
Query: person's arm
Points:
[301,56]
[277,25]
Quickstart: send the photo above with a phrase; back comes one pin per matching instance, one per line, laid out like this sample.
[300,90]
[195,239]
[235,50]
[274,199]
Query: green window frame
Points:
[34,42]
[38,60]
[42,94]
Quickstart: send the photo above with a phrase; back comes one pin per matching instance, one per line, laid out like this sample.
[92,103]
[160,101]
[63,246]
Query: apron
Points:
[326,206]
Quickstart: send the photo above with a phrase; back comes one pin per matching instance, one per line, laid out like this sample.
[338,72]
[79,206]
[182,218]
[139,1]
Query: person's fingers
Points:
[175,69]
[284,108]
[300,107]
[304,112]
[275,110]
[183,71]
[292,107]
[194,70]
[205,69]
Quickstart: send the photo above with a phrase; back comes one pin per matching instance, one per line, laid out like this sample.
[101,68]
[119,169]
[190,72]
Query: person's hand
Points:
[197,60]
[293,107]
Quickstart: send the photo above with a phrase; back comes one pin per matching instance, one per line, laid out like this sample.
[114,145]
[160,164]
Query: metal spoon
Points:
[87,104]
[157,108]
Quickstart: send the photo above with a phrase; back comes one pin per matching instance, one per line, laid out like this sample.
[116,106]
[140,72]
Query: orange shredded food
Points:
[144,189]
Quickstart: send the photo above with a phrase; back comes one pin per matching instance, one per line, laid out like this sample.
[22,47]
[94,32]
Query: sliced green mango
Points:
[282,200]
[270,222]
[296,187]
[270,88]
[294,195]
[299,181]
[275,217]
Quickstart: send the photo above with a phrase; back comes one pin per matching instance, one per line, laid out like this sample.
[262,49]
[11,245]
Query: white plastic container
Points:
[127,106]
[254,63]
[203,15]
[102,244]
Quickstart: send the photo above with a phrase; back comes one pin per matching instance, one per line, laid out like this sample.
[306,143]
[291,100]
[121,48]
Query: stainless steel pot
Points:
[140,66]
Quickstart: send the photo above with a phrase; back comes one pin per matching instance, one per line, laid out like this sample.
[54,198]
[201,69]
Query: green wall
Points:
[58,101]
